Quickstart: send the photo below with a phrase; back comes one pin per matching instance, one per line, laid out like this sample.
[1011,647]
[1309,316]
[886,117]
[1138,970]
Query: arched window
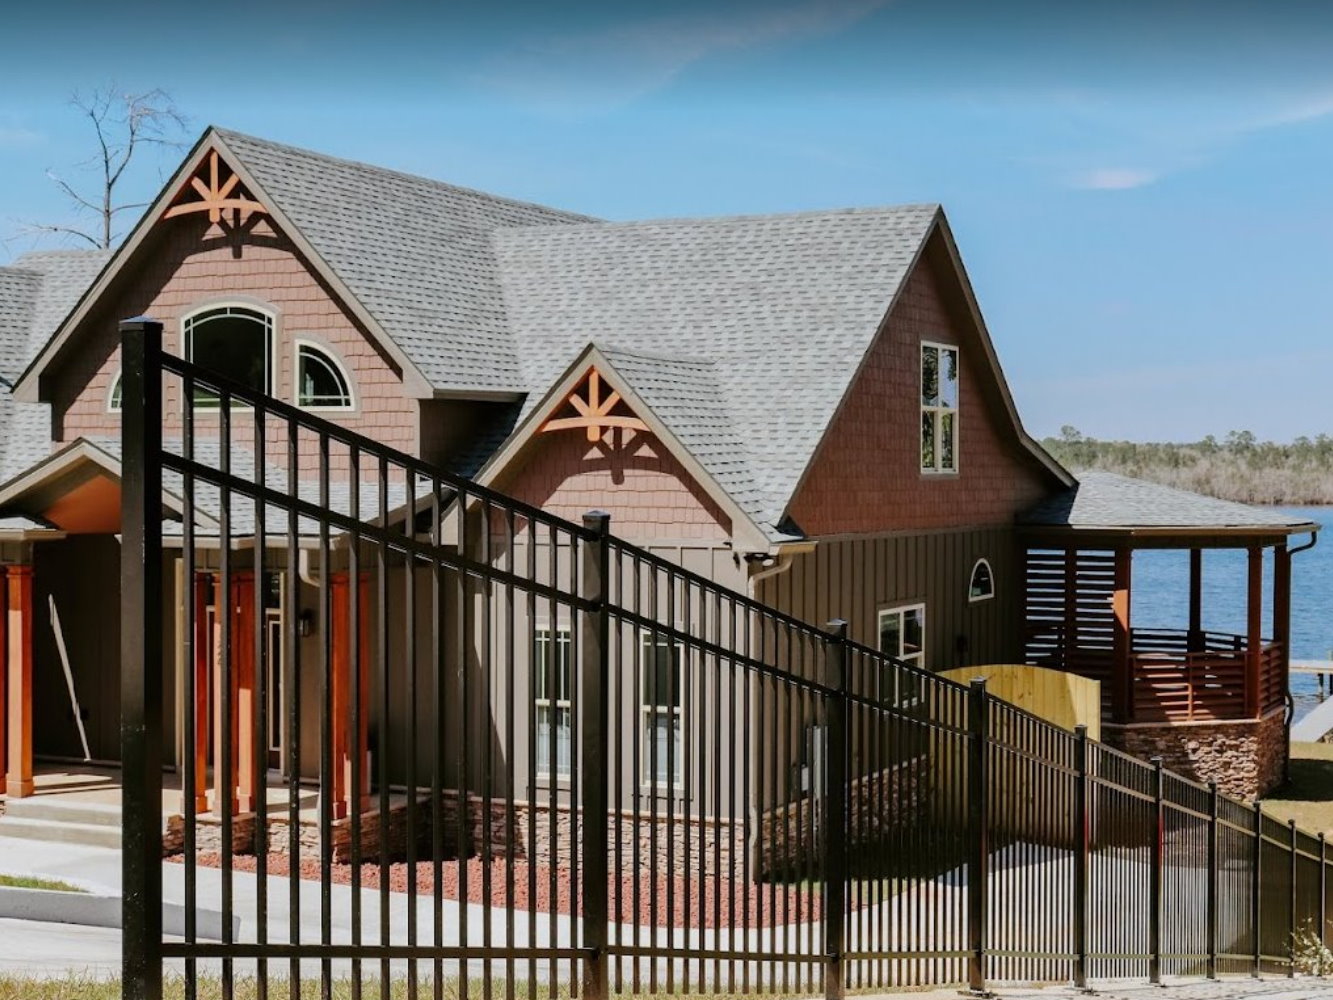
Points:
[115,396]
[321,382]
[982,585]
[234,341]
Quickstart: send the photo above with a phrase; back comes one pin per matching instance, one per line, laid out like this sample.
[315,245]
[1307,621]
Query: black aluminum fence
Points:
[436,741]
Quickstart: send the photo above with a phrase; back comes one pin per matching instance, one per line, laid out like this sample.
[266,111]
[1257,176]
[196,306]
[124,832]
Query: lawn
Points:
[24,882]
[1308,796]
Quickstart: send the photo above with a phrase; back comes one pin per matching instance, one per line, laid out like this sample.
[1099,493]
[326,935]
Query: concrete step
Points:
[90,834]
[53,809]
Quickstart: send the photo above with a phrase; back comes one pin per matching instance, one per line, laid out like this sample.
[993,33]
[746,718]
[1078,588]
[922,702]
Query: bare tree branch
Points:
[121,122]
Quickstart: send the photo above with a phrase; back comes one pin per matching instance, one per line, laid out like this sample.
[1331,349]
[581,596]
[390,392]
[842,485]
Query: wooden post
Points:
[1122,654]
[203,652]
[1195,639]
[224,741]
[1254,634]
[243,652]
[18,636]
[346,743]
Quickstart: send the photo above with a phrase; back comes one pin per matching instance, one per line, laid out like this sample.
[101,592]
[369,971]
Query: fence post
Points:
[1083,844]
[596,764]
[1213,806]
[978,717]
[1323,890]
[836,826]
[1155,893]
[1256,884]
[141,657]
[1291,904]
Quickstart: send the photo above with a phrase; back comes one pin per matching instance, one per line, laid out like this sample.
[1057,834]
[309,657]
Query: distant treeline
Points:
[1239,467]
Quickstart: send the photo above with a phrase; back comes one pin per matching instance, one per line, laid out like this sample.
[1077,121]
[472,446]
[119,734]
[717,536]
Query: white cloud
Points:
[13,137]
[1113,178]
[612,67]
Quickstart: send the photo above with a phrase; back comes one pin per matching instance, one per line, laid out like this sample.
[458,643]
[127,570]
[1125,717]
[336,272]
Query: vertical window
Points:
[663,750]
[982,585]
[115,397]
[551,699]
[235,342]
[321,382]
[902,635]
[939,408]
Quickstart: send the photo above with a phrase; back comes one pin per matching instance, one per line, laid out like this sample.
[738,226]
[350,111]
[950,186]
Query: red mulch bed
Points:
[802,903]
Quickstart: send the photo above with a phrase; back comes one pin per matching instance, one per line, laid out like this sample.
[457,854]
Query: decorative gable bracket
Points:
[592,411]
[209,191]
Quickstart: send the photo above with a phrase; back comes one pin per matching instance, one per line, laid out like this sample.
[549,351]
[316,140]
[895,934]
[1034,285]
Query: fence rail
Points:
[434,740]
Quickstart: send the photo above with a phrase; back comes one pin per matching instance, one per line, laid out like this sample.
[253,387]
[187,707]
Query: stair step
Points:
[53,810]
[90,834]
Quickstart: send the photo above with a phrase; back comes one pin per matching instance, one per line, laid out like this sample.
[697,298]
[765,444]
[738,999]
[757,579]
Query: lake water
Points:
[1161,596]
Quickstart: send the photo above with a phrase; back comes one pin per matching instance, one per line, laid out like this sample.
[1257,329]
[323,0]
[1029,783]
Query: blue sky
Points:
[1142,191]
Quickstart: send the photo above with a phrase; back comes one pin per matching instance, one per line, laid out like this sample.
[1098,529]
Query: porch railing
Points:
[566,761]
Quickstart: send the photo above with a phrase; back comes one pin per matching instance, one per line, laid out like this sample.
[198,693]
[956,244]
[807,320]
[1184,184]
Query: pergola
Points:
[1078,580]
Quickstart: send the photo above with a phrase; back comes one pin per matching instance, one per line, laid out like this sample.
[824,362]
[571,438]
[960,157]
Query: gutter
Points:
[774,562]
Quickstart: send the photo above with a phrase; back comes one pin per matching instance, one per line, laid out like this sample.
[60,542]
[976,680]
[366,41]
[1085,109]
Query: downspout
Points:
[1286,658]
[781,564]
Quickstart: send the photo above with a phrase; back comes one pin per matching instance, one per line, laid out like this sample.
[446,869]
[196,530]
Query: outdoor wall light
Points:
[306,623]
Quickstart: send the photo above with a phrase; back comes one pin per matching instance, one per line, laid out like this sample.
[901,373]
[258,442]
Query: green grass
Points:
[24,882]
[1308,796]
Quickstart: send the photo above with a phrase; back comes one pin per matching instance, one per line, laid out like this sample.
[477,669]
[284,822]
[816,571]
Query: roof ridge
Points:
[225,134]
[654,355]
[812,213]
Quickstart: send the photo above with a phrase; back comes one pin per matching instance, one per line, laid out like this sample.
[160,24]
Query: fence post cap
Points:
[1081,731]
[139,323]
[978,684]
[597,520]
[837,628]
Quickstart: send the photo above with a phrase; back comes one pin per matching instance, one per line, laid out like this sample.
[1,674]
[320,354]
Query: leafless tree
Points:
[122,122]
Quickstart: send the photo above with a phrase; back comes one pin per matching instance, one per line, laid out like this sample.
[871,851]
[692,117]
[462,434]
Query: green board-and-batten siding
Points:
[856,577]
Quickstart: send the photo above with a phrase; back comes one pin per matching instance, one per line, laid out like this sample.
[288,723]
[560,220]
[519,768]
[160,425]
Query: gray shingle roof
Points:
[415,253]
[1105,500]
[781,308]
[36,293]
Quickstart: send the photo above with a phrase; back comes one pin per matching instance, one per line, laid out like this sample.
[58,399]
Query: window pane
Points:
[232,342]
[913,631]
[928,440]
[117,392]
[320,382]
[946,440]
[661,674]
[949,378]
[661,756]
[982,584]
[930,376]
[890,633]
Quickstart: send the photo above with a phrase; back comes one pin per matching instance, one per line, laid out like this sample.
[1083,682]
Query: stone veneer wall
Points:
[1246,758]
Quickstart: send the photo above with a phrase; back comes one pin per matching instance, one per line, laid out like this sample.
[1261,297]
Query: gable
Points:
[866,476]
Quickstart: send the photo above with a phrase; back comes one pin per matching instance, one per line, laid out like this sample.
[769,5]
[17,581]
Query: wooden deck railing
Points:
[1179,677]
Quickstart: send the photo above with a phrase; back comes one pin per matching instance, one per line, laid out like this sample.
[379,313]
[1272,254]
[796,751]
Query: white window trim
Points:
[990,573]
[937,410]
[332,358]
[561,628]
[917,659]
[271,361]
[111,406]
[648,780]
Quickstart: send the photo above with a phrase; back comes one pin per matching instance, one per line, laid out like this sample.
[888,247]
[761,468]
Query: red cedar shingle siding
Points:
[189,268]
[867,478]
[647,492]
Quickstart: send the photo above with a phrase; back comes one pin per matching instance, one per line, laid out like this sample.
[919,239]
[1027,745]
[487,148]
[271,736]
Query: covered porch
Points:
[1212,704]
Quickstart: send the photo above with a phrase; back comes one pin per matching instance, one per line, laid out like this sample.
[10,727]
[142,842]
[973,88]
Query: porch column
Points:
[248,781]
[224,740]
[203,646]
[349,742]
[1282,610]
[1122,654]
[1254,633]
[18,635]
[1194,641]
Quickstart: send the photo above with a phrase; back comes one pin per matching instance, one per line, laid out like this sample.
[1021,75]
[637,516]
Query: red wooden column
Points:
[1254,633]
[224,743]
[248,778]
[203,654]
[346,743]
[18,635]
[1282,611]
[1122,654]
